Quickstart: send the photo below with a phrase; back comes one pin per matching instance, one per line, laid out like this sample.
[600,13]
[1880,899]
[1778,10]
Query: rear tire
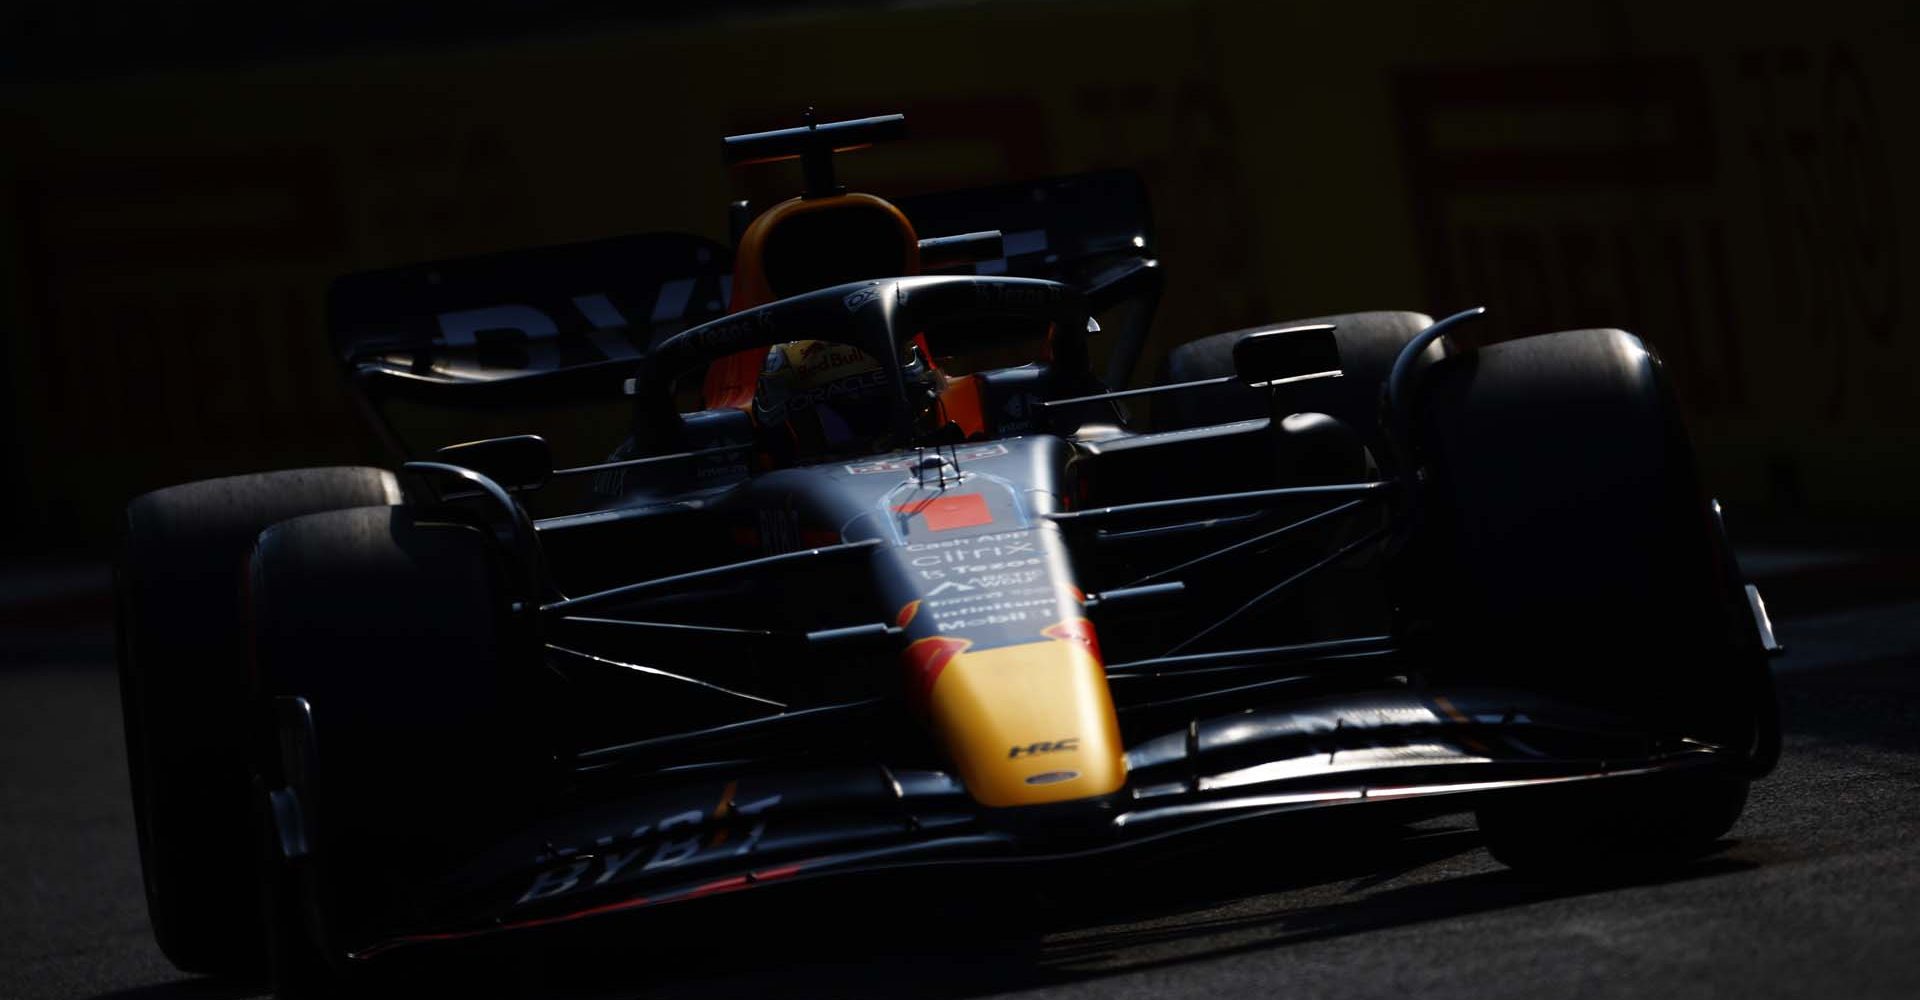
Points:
[1368,342]
[1564,547]
[183,684]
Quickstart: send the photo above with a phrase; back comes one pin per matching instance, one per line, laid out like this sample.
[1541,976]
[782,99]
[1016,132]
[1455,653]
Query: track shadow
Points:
[934,939]
[187,989]
[1145,948]
[1874,702]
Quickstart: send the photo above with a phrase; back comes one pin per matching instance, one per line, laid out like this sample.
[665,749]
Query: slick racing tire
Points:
[1563,547]
[1368,344]
[183,685]
[394,628]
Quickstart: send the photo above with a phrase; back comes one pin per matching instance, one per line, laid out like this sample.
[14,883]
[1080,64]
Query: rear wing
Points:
[482,319]
[1093,231]
[1063,229]
[565,323]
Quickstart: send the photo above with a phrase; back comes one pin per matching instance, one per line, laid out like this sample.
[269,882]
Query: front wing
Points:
[724,832]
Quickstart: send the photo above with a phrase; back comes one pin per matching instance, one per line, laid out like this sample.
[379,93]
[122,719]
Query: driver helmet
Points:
[822,398]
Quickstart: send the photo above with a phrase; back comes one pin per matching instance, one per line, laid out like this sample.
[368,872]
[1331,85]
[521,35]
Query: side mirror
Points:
[522,462]
[1294,354]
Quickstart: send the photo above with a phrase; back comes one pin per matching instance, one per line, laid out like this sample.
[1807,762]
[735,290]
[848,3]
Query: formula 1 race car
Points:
[869,569]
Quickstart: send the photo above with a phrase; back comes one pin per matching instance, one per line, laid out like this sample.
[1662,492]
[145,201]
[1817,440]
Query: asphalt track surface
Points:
[1815,893]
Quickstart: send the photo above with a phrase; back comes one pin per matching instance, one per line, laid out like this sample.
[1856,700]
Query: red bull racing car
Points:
[859,564]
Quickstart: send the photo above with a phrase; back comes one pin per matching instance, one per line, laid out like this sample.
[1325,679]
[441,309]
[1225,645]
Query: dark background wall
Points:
[178,184]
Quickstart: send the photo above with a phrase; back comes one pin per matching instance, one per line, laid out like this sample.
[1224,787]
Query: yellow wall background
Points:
[1722,181]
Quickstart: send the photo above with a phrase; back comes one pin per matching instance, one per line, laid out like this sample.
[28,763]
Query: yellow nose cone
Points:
[1029,724]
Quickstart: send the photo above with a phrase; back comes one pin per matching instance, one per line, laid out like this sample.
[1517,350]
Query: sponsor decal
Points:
[997,587]
[1004,537]
[966,603]
[994,574]
[778,401]
[949,511]
[672,841]
[1009,573]
[815,361]
[992,578]
[1007,296]
[993,608]
[985,620]
[735,334]
[952,557]
[1067,745]
[779,530]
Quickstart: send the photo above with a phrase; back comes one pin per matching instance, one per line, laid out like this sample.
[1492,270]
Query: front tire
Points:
[183,683]
[1563,546]
[396,630]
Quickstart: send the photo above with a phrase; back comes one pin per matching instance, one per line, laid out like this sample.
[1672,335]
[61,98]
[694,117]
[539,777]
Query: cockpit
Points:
[818,396]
